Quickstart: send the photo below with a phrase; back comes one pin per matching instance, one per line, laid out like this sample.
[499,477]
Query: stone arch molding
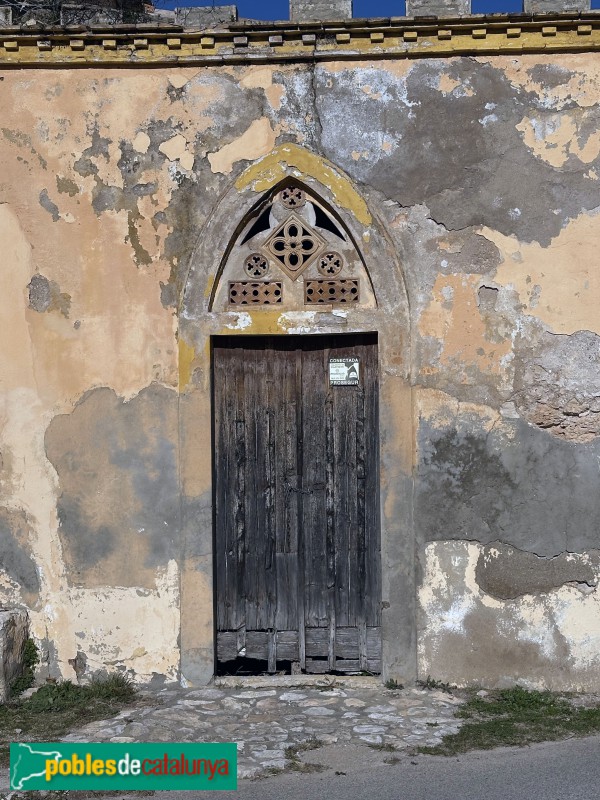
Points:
[205,313]
[334,215]
[292,251]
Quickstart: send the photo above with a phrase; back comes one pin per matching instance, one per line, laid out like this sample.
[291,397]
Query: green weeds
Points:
[58,708]
[31,658]
[394,685]
[292,754]
[516,717]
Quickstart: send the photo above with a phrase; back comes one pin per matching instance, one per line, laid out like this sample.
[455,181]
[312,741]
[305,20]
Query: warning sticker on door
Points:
[344,371]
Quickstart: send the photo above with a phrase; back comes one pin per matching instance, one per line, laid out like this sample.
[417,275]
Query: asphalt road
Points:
[568,770]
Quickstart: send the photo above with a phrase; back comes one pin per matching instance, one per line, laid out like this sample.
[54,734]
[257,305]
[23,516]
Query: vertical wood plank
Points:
[220,451]
[238,556]
[371,490]
[363,553]
[271,357]
[313,490]
[254,467]
[286,481]
[297,501]
[330,522]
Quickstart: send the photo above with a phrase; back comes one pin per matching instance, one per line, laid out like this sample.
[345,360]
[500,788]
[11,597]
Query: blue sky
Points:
[278,9]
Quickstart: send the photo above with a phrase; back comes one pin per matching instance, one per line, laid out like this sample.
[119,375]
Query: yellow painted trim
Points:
[271,169]
[395,38]
[187,354]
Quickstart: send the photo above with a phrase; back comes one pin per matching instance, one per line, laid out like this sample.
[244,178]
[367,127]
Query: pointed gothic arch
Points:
[292,249]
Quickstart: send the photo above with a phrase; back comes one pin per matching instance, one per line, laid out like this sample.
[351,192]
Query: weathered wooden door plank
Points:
[296,504]
[313,524]
[297,501]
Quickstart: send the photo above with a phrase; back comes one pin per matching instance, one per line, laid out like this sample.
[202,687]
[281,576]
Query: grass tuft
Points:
[431,683]
[292,754]
[31,658]
[394,685]
[516,717]
[58,708]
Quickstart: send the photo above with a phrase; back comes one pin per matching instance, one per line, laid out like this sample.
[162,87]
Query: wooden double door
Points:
[296,477]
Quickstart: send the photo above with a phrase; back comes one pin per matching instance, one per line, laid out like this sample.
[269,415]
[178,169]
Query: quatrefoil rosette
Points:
[294,245]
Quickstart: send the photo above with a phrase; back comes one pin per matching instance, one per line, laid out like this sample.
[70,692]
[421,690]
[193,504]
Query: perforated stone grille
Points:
[340,291]
[294,245]
[293,197]
[330,264]
[255,293]
[256,265]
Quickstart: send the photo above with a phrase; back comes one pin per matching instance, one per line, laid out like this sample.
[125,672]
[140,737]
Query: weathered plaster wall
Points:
[471,185]
[538,627]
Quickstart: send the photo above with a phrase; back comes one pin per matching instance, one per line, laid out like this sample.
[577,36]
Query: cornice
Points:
[246,43]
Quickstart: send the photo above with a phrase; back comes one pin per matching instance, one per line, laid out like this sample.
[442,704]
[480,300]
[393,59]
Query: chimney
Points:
[441,8]
[555,6]
[321,10]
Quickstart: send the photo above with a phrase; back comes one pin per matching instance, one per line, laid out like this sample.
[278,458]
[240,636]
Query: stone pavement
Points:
[266,716]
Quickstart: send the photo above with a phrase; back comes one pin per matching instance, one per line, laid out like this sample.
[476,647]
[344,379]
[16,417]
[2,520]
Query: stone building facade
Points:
[460,157]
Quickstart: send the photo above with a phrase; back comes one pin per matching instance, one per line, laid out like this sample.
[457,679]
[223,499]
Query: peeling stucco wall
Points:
[545,634]
[470,185]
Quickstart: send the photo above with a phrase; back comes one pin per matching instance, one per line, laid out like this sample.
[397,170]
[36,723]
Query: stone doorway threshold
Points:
[296,681]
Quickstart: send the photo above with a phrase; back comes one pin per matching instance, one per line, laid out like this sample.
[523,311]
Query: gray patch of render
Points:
[79,665]
[209,17]
[557,383]
[515,484]
[16,558]
[49,205]
[49,663]
[45,295]
[119,503]
[306,10]
[459,153]
[506,573]
[438,8]
[555,6]
[40,295]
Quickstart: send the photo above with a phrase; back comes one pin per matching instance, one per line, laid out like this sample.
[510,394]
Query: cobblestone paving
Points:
[265,718]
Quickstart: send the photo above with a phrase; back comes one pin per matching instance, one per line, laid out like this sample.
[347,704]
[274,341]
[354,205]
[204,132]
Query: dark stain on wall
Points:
[507,573]
[458,152]
[49,205]
[188,207]
[45,295]
[16,558]
[119,503]
[515,484]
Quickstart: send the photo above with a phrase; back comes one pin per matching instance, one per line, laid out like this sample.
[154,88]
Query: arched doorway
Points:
[298,530]
[295,453]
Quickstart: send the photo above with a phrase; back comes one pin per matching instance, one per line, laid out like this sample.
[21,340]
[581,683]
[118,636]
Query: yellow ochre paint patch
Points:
[209,286]
[271,169]
[187,354]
